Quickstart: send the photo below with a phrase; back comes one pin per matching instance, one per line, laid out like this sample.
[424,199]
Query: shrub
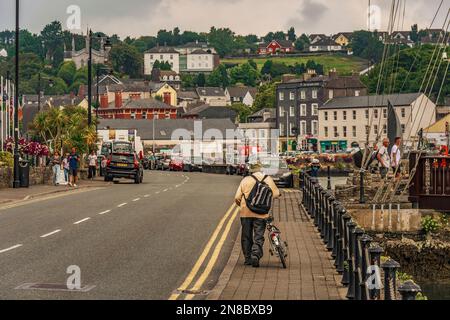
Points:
[430,225]
[6,159]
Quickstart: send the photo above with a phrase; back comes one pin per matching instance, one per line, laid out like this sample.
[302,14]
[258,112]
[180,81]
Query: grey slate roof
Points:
[162,49]
[150,103]
[404,99]
[210,92]
[240,92]
[165,128]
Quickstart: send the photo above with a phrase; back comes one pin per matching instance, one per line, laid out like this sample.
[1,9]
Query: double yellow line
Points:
[233,212]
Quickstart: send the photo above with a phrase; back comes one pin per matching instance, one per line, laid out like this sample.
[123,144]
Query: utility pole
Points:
[16,183]
[90,78]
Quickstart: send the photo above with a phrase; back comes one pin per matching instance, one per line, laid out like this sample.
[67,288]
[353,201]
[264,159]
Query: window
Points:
[281,111]
[385,113]
[292,111]
[344,115]
[303,94]
[161,57]
[354,131]
[325,130]
[335,115]
[282,129]
[375,129]
[315,109]
[262,133]
[336,133]
[303,110]
[330,94]
[315,128]
[303,128]
[403,113]
[367,114]
[344,131]
[357,93]
[325,115]
[290,129]
[403,128]
[133,115]
[144,115]
[314,94]
[292,96]
[367,130]
[384,129]
[281,96]
[375,113]
[354,114]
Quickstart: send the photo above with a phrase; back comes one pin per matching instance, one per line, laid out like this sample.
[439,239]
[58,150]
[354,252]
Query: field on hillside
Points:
[344,64]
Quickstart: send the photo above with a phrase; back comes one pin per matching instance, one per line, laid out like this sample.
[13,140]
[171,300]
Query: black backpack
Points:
[260,198]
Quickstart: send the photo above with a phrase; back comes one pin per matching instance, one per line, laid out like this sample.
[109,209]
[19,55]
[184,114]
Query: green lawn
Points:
[343,64]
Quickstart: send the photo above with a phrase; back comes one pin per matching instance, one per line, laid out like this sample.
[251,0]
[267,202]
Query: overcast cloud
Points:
[146,17]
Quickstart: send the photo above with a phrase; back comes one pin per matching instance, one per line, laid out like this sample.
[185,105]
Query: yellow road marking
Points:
[214,256]
[203,256]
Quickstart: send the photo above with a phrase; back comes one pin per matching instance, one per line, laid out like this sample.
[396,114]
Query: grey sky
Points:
[146,17]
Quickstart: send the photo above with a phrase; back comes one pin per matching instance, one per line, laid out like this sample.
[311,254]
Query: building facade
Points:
[348,120]
[161,54]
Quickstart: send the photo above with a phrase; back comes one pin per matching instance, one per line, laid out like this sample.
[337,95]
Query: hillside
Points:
[344,64]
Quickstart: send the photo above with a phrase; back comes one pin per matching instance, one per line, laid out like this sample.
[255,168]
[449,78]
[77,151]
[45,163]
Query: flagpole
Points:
[13,114]
[8,101]
[1,112]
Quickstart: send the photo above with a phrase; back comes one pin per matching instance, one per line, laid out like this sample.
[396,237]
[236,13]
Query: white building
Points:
[161,54]
[245,95]
[213,96]
[200,61]
[343,121]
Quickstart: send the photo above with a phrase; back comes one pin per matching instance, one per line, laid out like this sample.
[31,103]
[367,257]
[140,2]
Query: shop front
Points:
[333,146]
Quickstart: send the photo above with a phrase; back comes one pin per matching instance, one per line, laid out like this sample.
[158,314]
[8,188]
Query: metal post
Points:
[390,279]
[361,187]
[409,290]
[364,264]
[329,178]
[351,285]
[16,183]
[339,240]
[97,103]
[90,78]
[346,218]
[39,92]
[357,253]
[331,232]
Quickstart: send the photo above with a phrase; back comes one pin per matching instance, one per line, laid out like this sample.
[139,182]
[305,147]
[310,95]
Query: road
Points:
[129,241]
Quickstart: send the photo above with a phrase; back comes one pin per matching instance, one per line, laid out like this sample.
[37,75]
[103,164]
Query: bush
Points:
[6,159]
[430,225]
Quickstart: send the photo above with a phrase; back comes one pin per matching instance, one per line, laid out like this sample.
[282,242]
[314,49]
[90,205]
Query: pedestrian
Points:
[384,159]
[92,165]
[56,166]
[74,160]
[253,224]
[314,168]
[66,168]
[396,157]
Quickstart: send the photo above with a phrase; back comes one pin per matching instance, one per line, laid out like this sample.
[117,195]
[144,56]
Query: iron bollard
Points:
[340,240]
[357,253]
[346,218]
[351,226]
[364,264]
[409,290]
[324,216]
[361,188]
[390,277]
[375,260]
[329,178]
[329,235]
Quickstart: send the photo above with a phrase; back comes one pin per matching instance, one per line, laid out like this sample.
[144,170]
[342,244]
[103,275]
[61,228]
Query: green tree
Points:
[367,45]
[126,59]
[200,80]
[52,37]
[243,111]
[244,74]
[222,40]
[265,98]
[67,72]
[414,34]
[218,78]
[291,34]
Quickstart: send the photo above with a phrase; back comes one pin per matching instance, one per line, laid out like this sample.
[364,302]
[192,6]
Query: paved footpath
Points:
[310,274]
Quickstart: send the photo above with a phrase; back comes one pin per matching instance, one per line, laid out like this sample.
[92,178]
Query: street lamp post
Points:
[40,78]
[16,183]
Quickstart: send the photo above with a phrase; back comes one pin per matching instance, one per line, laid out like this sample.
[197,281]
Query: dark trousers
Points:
[252,238]
[92,172]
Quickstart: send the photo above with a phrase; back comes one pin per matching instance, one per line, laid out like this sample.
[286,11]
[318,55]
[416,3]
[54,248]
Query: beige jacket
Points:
[246,187]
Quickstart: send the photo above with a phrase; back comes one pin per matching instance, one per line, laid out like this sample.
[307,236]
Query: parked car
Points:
[193,165]
[243,169]
[124,165]
[279,171]
[163,163]
[176,164]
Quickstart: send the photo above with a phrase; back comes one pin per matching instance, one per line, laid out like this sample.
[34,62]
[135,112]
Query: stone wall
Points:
[38,175]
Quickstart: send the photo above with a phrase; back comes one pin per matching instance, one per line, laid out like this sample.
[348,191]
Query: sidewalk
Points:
[9,195]
[310,274]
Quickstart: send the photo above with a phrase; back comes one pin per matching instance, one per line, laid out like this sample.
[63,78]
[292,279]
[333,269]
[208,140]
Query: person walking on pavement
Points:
[74,160]
[384,159]
[253,224]
[56,166]
[66,168]
[92,165]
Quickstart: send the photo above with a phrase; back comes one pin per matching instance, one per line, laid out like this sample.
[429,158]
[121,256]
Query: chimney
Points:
[333,74]
[104,103]
[118,99]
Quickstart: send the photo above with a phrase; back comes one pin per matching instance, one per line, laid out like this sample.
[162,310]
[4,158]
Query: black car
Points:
[124,165]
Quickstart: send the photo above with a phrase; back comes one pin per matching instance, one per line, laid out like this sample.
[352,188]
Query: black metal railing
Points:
[356,257]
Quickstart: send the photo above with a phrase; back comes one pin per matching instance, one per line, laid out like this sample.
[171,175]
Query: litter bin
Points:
[24,173]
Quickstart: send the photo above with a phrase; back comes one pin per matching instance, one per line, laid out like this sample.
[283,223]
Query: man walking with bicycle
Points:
[254,196]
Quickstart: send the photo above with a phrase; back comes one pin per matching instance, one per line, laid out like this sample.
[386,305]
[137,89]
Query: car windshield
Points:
[122,147]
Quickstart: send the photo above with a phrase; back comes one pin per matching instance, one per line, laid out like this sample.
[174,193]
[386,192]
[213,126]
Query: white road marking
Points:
[137,199]
[50,233]
[122,205]
[146,196]
[105,212]
[11,248]
[81,221]
[165,190]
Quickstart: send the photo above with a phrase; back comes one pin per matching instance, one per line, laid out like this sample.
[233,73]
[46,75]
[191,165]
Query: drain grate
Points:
[53,287]
[194,292]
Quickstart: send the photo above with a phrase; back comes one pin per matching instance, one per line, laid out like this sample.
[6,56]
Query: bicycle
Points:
[277,246]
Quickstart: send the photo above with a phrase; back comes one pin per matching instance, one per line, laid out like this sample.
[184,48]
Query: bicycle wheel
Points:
[282,256]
